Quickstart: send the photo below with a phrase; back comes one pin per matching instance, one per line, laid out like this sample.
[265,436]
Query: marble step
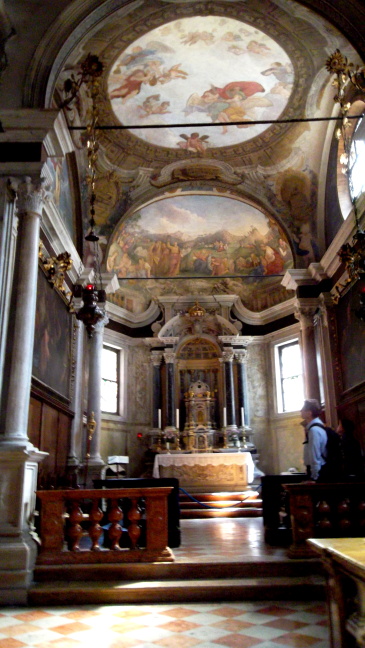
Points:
[269,568]
[224,589]
[216,505]
[236,496]
[192,513]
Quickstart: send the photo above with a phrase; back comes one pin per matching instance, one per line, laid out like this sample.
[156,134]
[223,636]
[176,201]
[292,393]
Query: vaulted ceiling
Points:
[188,200]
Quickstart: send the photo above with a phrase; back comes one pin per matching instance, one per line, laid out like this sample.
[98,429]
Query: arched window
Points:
[357,160]
[350,169]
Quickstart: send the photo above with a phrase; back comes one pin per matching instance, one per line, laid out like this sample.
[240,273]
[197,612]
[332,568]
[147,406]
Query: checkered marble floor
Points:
[262,624]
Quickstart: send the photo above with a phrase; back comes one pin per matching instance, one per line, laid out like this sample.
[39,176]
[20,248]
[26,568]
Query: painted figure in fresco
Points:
[283,73]
[305,245]
[258,48]
[142,269]
[202,262]
[154,257]
[150,73]
[233,102]
[153,106]
[174,259]
[132,84]
[271,260]
[220,266]
[175,72]
[194,37]
[194,142]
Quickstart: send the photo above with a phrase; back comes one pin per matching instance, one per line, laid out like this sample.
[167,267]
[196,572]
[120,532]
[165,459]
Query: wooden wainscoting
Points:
[49,427]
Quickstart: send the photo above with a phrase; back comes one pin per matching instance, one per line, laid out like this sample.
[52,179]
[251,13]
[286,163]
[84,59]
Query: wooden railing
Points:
[324,511]
[103,526]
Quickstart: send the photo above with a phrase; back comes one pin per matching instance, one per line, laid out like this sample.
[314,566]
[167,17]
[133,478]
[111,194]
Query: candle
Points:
[177,419]
[242,417]
[159,419]
[224,417]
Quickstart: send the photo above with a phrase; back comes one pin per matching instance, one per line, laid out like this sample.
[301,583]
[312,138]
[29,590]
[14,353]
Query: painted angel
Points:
[194,142]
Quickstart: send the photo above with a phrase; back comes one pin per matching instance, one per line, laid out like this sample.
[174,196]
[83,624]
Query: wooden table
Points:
[344,562]
[211,471]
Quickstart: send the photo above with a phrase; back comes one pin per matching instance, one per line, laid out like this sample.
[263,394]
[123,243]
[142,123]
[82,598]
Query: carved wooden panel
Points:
[49,430]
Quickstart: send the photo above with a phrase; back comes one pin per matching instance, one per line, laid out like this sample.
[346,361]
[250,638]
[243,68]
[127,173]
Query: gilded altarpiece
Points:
[198,363]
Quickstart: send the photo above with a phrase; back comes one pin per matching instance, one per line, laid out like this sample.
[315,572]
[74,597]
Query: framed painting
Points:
[66,196]
[52,356]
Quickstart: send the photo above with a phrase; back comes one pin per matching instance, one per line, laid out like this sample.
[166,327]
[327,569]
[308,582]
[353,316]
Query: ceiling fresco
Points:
[201,69]
[191,243]
[210,63]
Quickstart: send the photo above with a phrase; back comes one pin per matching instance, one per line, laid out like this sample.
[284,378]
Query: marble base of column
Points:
[95,470]
[18,546]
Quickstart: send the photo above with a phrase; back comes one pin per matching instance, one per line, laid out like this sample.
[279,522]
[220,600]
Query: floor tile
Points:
[285,624]
[296,640]
[237,641]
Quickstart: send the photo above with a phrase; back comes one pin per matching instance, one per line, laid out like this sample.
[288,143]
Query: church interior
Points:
[181,265]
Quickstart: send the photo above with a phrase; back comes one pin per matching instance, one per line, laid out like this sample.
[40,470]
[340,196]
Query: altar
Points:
[210,471]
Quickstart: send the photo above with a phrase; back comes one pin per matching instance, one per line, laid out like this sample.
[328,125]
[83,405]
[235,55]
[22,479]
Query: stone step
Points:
[239,496]
[256,503]
[224,589]
[200,513]
[250,568]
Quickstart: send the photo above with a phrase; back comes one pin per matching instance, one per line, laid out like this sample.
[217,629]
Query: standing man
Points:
[314,447]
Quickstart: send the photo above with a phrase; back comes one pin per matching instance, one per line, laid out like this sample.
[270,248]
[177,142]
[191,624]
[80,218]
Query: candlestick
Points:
[242,417]
[177,418]
[224,417]
[159,419]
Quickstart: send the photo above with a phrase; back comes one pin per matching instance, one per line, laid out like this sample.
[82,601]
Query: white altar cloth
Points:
[236,469]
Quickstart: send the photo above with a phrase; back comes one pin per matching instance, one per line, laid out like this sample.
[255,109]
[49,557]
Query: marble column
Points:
[170,389]
[241,358]
[8,234]
[227,356]
[156,358]
[306,309]
[18,458]
[29,207]
[325,321]
[74,458]
[95,463]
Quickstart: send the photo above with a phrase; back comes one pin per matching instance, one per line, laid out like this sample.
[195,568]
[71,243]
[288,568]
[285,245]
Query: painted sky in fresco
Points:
[201,69]
[198,236]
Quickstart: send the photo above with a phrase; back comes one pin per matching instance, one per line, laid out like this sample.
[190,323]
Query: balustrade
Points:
[324,511]
[72,529]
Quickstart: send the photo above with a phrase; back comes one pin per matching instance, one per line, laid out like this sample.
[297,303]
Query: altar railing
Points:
[103,526]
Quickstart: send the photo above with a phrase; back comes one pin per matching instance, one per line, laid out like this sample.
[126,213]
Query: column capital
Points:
[169,357]
[305,310]
[99,326]
[156,358]
[228,355]
[241,356]
[31,195]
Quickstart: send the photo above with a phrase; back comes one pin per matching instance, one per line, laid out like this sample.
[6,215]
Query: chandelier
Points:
[92,295]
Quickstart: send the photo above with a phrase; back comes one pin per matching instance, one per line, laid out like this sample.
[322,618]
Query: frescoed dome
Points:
[201,70]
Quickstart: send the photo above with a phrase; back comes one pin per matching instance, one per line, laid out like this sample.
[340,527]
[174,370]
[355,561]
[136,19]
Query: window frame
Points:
[278,374]
[119,355]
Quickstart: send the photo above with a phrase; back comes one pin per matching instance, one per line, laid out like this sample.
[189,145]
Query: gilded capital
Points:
[31,195]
